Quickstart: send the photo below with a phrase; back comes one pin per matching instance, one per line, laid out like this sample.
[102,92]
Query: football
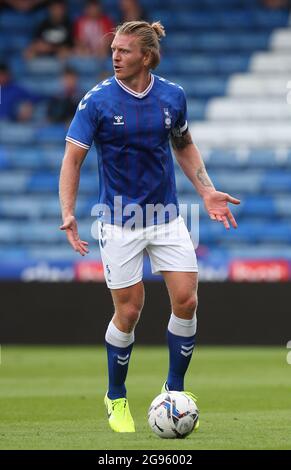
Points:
[173,415]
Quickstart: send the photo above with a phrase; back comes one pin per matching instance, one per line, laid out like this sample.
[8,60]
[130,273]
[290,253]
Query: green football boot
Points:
[119,416]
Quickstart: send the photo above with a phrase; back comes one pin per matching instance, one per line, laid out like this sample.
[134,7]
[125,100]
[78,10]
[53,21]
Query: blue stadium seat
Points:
[227,4]
[3,44]
[25,158]
[249,158]
[262,158]
[13,254]
[13,182]
[4,160]
[51,134]
[47,86]
[9,232]
[249,232]
[217,158]
[257,206]
[233,181]
[203,64]
[234,19]
[12,43]
[276,181]
[40,232]
[183,20]
[206,88]
[42,182]
[282,205]
[270,18]
[21,21]
[89,183]
[183,184]
[232,63]
[43,66]
[196,109]
[88,83]
[218,41]
[20,207]
[11,133]
[87,65]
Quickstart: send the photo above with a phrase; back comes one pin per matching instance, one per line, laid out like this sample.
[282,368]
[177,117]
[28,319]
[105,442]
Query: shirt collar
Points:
[135,93]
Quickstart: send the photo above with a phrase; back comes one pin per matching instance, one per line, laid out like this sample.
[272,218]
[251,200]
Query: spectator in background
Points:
[274,4]
[54,35]
[61,108]
[131,10]
[22,5]
[17,104]
[92,31]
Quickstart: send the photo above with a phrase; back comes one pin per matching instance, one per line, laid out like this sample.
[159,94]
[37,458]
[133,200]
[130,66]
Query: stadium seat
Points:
[43,66]
[48,86]
[230,134]
[11,133]
[13,182]
[266,62]
[258,85]
[206,88]
[280,39]
[88,65]
[51,134]
[248,109]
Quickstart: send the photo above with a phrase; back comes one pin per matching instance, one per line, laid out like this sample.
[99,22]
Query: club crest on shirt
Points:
[168,118]
[118,121]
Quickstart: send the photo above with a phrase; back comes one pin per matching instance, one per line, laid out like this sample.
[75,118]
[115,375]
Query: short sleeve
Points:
[181,125]
[84,124]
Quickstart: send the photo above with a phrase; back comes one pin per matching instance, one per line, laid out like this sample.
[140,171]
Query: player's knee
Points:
[131,314]
[193,303]
[187,305]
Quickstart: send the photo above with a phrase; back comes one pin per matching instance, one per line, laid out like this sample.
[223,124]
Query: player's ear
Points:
[147,58]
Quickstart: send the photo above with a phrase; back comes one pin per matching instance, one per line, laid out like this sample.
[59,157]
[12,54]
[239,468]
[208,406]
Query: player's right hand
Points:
[71,228]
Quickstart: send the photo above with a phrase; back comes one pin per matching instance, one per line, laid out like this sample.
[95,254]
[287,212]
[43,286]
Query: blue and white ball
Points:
[173,415]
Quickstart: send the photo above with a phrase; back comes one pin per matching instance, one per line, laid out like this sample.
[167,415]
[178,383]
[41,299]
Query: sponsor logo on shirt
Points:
[118,121]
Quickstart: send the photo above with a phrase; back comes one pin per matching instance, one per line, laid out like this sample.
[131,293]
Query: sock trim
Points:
[118,338]
[180,327]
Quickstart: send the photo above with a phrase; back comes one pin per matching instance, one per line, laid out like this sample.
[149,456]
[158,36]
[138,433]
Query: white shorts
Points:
[169,246]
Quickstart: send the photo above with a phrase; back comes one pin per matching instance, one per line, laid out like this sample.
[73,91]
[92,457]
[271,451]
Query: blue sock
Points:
[119,346]
[180,350]
[118,360]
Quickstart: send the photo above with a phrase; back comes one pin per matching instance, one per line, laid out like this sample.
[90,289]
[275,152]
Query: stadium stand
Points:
[233,59]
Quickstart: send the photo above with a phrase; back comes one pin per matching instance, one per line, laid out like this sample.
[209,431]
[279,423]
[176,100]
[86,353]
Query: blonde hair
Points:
[149,36]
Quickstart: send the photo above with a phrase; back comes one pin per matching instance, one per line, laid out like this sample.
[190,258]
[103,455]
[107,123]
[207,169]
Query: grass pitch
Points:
[52,398]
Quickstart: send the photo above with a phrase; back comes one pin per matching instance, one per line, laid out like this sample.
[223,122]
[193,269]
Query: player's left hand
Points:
[215,203]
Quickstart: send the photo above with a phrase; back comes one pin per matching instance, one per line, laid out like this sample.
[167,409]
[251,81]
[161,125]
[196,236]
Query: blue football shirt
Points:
[131,132]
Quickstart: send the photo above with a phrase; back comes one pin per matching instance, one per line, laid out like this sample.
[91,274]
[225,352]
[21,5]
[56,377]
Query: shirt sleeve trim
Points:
[184,128]
[80,144]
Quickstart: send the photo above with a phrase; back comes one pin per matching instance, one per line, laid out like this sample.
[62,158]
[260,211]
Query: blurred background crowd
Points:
[233,58]
[62,33]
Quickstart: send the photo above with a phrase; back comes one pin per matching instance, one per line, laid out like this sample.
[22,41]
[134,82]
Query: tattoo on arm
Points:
[179,142]
[203,177]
